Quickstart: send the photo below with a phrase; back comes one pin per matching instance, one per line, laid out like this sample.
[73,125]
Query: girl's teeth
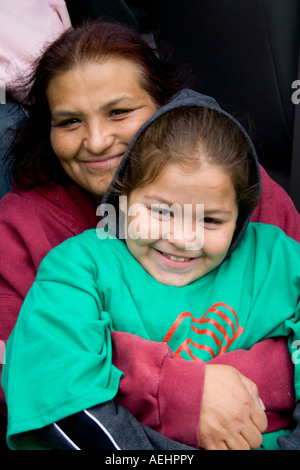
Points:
[175,258]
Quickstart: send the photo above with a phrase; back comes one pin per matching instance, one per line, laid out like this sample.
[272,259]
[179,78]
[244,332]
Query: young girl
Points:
[185,267]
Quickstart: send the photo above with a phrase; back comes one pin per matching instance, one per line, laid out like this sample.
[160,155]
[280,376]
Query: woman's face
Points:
[95,110]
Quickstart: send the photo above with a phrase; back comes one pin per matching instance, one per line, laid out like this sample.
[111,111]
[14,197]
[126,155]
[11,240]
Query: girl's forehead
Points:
[185,173]
[183,184]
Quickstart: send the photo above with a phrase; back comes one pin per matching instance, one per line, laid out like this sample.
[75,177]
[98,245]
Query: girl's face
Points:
[96,109]
[180,244]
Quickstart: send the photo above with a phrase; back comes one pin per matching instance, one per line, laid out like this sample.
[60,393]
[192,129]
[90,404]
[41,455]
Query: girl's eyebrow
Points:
[211,211]
[158,200]
[217,211]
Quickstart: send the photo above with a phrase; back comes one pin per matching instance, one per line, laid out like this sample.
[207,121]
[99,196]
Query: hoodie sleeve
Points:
[275,207]
[170,390]
[23,244]
[159,389]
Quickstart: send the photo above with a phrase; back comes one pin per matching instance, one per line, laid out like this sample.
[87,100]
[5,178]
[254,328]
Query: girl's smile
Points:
[155,235]
[174,262]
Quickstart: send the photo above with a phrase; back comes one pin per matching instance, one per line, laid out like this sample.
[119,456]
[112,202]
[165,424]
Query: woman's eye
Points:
[119,112]
[67,122]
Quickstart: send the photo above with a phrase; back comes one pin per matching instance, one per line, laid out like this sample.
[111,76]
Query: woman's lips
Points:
[102,162]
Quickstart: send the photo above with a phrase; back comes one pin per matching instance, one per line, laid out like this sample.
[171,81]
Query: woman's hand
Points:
[232,414]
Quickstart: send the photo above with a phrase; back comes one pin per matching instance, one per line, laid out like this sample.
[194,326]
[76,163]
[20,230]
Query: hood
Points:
[184,98]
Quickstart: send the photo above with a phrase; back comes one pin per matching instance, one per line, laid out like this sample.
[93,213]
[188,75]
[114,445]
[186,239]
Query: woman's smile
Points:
[93,122]
[102,162]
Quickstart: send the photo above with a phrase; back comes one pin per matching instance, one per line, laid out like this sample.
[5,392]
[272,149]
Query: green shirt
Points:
[58,358]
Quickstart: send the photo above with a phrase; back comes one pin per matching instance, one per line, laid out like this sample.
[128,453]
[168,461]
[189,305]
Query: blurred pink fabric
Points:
[26,27]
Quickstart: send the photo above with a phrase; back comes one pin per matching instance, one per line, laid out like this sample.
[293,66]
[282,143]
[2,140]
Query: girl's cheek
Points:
[150,229]
[145,229]
[138,223]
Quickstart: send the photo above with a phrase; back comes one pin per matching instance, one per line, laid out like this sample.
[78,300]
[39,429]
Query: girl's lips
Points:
[175,262]
[102,162]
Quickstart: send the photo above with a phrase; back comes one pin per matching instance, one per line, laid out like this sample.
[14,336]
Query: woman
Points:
[173,265]
[91,91]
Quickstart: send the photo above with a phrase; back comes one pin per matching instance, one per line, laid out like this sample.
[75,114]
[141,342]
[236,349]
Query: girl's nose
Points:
[185,238]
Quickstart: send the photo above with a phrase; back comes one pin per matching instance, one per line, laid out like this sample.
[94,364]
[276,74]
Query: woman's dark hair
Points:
[33,161]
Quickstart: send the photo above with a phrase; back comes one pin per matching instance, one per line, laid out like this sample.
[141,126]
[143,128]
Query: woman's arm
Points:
[275,207]
[163,391]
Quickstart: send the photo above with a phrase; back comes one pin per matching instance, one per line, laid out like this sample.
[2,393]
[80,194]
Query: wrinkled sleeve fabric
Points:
[169,395]
[66,336]
[24,243]
[275,207]
[170,389]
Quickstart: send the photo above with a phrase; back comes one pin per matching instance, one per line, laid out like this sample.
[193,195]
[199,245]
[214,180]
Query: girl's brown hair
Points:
[188,137]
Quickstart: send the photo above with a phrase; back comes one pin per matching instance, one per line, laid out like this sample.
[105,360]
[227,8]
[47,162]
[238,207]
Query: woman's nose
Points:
[98,138]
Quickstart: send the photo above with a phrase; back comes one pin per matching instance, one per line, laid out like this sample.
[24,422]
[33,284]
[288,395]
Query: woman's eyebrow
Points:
[63,112]
[117,101]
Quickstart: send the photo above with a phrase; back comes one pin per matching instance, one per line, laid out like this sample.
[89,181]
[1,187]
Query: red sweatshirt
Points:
[34,221]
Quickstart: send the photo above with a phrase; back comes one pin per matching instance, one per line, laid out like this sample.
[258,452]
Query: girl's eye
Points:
[161,213]
[211,221]
[67,122]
